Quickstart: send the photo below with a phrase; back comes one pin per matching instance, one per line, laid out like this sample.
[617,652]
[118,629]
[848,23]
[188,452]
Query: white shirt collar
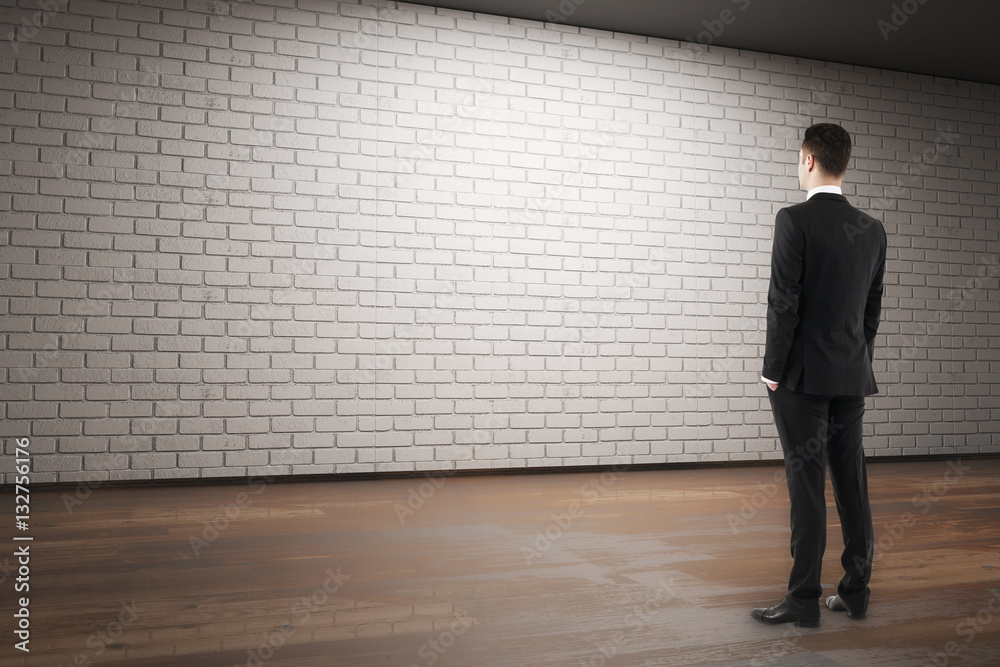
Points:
[833,189]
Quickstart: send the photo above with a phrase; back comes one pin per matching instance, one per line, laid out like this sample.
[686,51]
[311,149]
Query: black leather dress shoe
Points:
[782,613]
[835,603]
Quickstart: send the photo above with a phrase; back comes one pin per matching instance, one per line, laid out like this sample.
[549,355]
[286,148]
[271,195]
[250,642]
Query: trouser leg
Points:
[850,490]
[801,420]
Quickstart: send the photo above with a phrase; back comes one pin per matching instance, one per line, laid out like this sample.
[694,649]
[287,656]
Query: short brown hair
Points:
[830,145]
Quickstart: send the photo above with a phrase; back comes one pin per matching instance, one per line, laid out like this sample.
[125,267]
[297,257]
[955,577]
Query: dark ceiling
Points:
[949,38]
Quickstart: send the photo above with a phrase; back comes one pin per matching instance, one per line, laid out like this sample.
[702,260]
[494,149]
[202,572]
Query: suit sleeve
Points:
[783,294]
[873,307]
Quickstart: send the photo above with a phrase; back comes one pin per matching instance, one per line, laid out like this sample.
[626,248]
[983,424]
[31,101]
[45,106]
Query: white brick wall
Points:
[252,237]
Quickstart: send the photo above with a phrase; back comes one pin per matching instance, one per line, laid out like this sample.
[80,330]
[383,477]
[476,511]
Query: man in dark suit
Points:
[823,307]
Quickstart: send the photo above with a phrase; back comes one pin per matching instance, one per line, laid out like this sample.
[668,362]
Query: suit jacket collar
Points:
[827,195]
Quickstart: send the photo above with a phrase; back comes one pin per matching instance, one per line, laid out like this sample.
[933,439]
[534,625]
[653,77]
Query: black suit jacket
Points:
[825,297]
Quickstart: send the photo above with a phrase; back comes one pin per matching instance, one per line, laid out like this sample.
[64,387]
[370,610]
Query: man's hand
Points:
[773,386]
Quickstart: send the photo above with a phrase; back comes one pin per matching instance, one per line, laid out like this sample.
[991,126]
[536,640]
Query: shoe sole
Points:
[801,623]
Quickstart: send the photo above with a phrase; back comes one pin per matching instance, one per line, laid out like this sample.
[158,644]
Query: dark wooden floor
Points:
[634,568]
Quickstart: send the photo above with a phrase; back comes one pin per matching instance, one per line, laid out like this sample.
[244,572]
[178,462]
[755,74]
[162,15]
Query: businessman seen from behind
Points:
[823,307]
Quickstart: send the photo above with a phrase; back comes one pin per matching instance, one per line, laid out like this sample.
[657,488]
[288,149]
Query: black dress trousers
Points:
[818,430]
